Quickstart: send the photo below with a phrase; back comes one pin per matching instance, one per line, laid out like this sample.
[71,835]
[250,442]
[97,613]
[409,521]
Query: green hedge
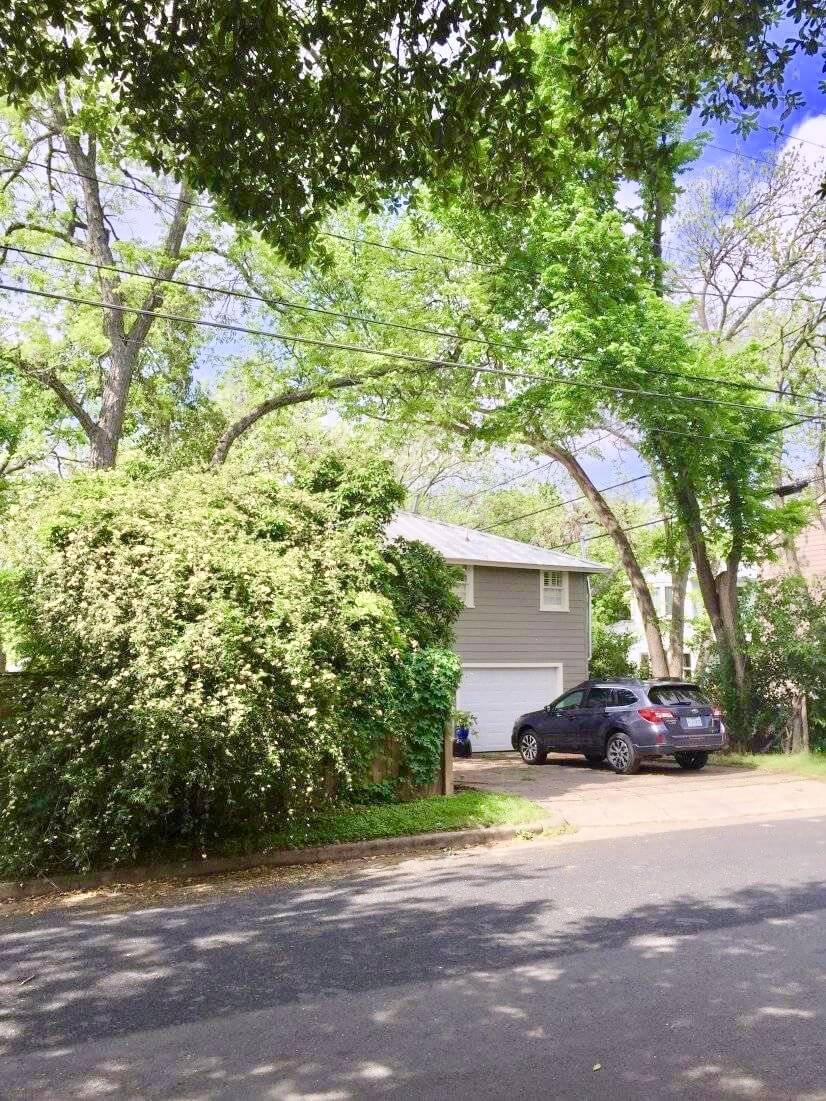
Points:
[217,654]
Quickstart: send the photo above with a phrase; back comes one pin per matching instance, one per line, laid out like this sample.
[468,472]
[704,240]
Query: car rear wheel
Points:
[531,751]
[621,754]
[691,761]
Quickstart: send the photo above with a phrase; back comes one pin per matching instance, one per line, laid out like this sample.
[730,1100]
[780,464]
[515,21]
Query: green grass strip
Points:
[465,810]
[800,764]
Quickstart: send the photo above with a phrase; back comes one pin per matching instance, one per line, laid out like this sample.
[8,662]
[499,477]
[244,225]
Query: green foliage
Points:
[281,112]
[784,627]
[286,113]
[209,655]
[731,60]
[465,810]
[609,655]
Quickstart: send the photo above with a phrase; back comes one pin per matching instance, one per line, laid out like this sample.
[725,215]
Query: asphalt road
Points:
[681,965]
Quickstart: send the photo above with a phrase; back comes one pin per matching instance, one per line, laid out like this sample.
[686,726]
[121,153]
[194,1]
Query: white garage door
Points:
[497,696]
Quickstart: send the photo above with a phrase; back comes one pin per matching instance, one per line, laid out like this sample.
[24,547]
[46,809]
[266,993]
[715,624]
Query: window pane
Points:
[624,697]
[553,589]
[463,588]
[671,694]
[599,697]
[668,599]
[573,699]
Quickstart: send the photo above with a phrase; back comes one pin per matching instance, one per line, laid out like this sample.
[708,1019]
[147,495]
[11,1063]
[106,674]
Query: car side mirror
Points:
[548,708]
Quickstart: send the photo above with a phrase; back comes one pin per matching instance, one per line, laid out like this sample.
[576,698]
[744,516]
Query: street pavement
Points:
[661,794]
[682,964]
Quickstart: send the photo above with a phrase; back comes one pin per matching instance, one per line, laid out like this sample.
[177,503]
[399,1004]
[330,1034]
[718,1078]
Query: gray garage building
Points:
[524,633]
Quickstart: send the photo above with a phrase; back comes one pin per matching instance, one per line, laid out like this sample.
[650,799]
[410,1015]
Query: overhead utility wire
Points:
[274,300]
[361,319]
[569,501]
[404,357]
[148,193]
[607,534]
[536,470]
[366,241]
[786,136]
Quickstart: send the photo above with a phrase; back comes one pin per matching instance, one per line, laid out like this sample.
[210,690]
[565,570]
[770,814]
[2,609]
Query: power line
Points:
[739,153]
[275,300]
[361,319]
[777,133]
[536,470]
[365,241]
[507,481]
[153,195]
[404,357]
[504,265]
[569,501]
[607,534]
[147,192]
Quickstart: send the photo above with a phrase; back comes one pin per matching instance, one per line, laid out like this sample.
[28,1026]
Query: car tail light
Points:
[656,714]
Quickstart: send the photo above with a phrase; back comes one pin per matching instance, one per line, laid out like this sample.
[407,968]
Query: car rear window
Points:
[624,698]
[671,694]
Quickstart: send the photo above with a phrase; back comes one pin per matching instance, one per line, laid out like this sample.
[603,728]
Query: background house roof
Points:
[468,547]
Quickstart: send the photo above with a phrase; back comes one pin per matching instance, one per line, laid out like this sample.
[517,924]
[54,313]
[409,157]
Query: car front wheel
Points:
[691,761]
[531,751]
[621,754]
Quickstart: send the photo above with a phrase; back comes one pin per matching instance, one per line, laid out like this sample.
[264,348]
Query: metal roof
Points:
[468,547]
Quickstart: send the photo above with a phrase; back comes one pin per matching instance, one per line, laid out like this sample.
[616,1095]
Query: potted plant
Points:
[464,725]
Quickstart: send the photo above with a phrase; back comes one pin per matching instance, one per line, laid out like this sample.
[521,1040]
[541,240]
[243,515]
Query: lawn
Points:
[802,764]
[465,810]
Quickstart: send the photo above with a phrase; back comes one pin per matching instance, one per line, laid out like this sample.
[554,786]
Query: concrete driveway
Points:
[660,794]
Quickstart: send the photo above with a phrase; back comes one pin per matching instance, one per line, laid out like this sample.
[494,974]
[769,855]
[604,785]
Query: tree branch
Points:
[49,378]
[297,396]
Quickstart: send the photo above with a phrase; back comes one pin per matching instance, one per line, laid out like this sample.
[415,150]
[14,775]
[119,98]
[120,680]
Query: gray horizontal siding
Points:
[507,626]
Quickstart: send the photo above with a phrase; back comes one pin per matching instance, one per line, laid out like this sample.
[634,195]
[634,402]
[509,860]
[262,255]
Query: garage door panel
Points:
[497,696]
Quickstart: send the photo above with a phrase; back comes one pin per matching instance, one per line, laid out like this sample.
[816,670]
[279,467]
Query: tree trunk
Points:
[720,600]
[296,396]
[125,343]
[633,571]
[796,739]
[676,632]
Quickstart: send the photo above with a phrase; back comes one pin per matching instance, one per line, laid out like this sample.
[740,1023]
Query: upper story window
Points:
[553,591]
[464,587]
[668,600]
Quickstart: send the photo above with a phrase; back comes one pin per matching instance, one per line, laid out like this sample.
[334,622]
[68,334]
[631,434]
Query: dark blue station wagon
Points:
[624,722]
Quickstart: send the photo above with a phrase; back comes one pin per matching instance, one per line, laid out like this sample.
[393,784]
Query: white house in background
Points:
[524,634]
[662,593]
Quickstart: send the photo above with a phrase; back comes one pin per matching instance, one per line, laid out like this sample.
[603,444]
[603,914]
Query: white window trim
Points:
[565,605]
[470,596]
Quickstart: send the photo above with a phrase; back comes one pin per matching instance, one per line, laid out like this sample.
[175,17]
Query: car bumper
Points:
[708,744]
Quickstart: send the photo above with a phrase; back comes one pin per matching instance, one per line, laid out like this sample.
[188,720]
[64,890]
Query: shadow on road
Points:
[373,984]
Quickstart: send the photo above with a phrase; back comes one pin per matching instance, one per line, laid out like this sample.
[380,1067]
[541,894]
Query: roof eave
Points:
[564,567]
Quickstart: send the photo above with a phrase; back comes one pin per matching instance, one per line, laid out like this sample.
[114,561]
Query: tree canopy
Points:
[284,112]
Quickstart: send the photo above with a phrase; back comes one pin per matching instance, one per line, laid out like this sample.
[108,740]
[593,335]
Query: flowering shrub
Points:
[216,655]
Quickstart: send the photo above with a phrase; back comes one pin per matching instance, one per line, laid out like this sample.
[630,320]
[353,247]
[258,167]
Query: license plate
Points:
[692,722]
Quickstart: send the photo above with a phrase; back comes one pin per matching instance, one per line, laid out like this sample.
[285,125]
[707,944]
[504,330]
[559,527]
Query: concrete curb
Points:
[11,890]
